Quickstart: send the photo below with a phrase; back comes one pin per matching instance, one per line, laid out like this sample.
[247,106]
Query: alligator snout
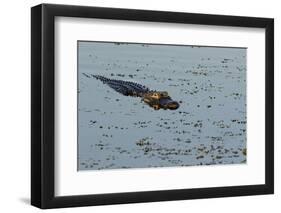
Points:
[168,103]
[173,105]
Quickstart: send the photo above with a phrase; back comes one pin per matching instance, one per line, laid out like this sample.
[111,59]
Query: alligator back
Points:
[127,88]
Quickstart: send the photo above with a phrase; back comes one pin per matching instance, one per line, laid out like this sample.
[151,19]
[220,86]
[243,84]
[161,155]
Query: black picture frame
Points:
[43,102]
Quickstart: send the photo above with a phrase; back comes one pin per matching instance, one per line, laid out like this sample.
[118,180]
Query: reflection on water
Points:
[117,131]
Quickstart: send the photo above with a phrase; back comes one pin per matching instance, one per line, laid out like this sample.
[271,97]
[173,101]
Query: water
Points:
[116,131]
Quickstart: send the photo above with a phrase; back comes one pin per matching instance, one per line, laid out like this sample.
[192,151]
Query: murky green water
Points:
[116,131]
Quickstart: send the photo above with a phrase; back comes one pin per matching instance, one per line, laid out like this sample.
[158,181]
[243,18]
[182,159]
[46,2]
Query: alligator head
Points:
[160,100]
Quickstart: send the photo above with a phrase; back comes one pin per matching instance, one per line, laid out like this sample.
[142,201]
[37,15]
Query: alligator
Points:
[155,99]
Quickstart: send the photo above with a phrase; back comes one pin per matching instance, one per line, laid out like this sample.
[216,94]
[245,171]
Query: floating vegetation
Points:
[244,151]
[143,142]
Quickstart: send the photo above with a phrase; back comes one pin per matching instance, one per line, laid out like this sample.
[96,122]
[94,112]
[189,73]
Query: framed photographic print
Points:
[139,106]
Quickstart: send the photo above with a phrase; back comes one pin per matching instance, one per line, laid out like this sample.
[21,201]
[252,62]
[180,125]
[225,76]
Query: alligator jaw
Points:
[173,105]
[168,103]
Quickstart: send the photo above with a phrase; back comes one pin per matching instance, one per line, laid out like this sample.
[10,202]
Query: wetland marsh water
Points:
[117,131]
